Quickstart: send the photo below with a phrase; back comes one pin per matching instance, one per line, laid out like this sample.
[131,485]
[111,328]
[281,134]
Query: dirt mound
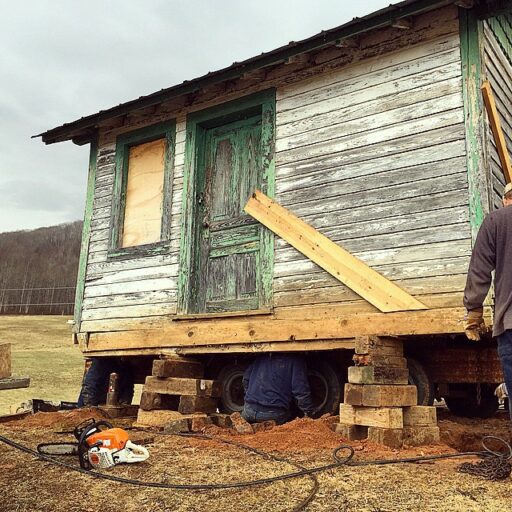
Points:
[59,419]
[465,434]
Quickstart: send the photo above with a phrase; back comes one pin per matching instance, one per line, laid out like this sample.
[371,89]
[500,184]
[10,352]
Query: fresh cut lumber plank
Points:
[497,130]
[352,272]
[179,386]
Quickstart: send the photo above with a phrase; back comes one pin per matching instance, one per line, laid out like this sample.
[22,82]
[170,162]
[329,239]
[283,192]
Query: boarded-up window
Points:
[144,194]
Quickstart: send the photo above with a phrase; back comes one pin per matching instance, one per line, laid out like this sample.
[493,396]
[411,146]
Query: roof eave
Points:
[78,130]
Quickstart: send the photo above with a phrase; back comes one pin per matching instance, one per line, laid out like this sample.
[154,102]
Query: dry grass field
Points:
[41,349]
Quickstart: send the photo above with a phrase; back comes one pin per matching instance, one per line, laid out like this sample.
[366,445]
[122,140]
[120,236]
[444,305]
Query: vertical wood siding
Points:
[498,68]
[372,154]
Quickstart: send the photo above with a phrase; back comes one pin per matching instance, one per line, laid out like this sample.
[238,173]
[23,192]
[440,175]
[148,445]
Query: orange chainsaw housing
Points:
[113,438]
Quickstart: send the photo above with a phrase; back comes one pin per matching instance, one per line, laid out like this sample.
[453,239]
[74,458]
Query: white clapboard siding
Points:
[499,73]
[129,299]
[372,154]
[430,255]
[367,157]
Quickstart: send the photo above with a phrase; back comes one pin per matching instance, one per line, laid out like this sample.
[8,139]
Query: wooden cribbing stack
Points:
[379,404]
[176,397]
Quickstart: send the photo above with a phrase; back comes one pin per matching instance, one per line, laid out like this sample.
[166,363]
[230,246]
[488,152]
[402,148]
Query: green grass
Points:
[42,349]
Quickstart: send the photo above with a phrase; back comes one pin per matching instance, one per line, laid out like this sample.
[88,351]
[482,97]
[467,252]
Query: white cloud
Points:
[61,60]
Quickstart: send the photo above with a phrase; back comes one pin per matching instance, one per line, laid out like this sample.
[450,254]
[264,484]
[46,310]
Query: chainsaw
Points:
[98,447]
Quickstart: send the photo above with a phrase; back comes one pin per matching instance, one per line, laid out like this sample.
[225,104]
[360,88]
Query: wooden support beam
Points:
[383,395]
[497,131]
[385,417]
[14,383]
[178,386]
[146,334]
[352,272]
[5,360]
[177,367]
[377,375]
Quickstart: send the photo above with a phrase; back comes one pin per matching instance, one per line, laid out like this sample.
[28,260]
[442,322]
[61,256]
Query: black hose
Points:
[339,461]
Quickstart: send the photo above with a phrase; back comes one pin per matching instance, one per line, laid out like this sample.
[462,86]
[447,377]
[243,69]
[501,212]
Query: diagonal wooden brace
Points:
[352,272]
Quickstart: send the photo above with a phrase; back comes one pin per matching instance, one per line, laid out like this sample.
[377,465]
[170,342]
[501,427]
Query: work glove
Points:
[475,324]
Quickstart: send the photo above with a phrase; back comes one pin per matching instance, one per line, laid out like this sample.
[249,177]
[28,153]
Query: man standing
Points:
[272,384]
[493,251]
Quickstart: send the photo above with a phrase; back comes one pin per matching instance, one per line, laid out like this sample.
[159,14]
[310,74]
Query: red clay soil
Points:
[307,436]
[59,419]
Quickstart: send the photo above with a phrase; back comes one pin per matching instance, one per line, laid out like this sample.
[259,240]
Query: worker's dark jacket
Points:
[275,380]
[492,251]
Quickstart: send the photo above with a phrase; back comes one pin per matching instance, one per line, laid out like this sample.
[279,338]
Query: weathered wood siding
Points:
[374,157]
[498,69]
[369,149]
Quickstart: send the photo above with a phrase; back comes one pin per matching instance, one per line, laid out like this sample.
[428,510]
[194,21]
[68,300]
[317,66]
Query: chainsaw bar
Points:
[58,448]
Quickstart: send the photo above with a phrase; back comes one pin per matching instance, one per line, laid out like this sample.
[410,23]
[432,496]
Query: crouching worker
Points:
[95,383]
[274,383]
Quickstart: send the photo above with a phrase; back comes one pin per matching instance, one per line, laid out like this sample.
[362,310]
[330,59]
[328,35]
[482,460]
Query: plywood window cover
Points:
[369,284]
[142,221]
[125,144]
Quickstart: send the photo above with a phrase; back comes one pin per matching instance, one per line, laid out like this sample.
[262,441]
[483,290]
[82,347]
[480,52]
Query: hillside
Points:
[38,269]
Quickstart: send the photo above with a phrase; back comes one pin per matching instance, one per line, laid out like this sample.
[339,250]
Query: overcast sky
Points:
[63,59]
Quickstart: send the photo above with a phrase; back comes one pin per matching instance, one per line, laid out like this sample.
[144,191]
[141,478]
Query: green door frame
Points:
[263,102]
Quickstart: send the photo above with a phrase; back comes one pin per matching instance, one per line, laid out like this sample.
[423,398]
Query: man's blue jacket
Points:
[276,380]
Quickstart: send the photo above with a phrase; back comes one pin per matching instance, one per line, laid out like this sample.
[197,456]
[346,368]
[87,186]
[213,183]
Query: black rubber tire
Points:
[419,377]
[326,386]
[468,407]
[232,395]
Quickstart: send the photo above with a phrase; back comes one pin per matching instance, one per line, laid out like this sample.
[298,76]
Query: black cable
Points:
[190,487]
[339,461]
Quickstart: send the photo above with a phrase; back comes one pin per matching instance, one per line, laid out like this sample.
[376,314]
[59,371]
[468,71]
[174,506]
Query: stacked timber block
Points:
[177,398]
[379,404]
[6,380]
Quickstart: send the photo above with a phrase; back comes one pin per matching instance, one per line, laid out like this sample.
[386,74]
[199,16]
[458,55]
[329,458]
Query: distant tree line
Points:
[38,270]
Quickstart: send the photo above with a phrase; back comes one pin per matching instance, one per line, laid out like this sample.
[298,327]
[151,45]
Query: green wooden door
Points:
[227,259]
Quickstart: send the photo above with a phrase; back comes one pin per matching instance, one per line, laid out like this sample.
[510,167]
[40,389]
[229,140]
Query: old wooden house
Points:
[373,133]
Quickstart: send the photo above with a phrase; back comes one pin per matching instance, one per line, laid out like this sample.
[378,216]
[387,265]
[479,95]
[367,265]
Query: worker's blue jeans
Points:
[95,384]
[255,414]
[505,353]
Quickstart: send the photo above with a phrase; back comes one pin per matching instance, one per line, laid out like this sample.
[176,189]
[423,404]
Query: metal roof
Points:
[81,129]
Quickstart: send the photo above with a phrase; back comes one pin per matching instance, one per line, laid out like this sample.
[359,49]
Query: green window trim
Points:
[471,48]
[265,103]
[124,142]
[86,235]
